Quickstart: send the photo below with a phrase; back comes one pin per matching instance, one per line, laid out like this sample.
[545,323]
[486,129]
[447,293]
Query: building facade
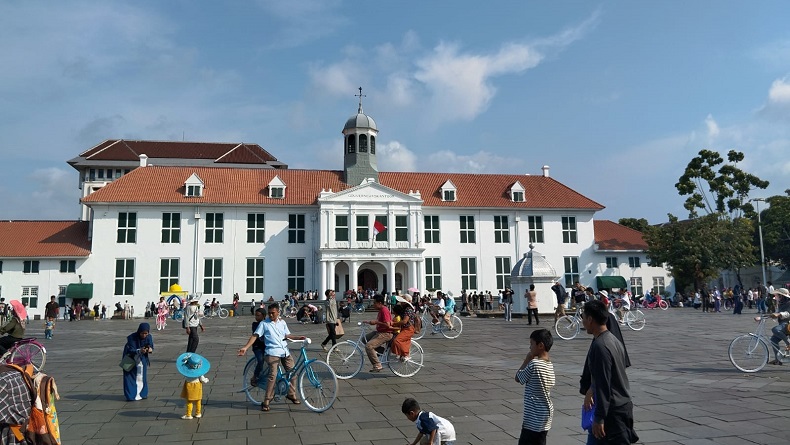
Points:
[264,230]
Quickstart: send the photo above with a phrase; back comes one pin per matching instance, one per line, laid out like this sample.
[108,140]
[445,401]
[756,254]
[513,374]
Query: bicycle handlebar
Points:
[306,340]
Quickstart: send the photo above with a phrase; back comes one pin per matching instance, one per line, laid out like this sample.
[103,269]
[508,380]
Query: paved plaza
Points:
[684,388]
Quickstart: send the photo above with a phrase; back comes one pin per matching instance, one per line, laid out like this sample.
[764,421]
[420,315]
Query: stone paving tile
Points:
[682,395]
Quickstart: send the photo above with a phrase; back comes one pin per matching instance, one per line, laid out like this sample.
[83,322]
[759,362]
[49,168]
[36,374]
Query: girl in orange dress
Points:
[401,344]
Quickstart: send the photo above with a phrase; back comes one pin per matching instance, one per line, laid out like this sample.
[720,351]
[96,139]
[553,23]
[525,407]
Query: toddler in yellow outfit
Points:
[194,367]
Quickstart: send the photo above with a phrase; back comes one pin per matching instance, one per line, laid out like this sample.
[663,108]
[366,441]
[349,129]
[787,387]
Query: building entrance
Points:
[368,279]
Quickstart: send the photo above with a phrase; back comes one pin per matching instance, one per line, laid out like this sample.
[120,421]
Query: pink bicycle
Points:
[26,352]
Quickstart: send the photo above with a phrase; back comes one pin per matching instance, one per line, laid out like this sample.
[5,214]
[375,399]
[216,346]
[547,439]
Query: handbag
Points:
[128,363]
[588,415]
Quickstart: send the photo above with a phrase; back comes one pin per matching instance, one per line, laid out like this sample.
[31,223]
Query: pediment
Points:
[194,179]
[370,192]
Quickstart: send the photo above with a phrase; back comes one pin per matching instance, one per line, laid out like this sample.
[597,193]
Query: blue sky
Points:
[615,96]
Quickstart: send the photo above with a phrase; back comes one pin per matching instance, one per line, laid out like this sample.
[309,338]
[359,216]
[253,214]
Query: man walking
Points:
[192,323]
[51,310]
[331,319]
[613,420]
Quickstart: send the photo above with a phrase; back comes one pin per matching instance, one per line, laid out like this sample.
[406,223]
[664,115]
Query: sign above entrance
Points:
[370,192]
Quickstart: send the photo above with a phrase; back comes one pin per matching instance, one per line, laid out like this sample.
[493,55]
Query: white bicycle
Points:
[347,357]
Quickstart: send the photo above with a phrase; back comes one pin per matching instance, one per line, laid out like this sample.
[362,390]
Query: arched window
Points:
[350,145]
[363,143]
[373,145]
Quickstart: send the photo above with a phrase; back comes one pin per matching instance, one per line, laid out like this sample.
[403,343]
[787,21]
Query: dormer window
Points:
[517,192]
[193,186]
[276,188]
[448,192]
[194,191]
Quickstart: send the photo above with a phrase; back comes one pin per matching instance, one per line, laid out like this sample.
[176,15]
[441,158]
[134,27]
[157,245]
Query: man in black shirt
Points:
[613,411]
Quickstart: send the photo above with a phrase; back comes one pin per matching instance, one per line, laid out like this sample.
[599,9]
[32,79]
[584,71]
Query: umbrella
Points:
[19,309]
[413,290]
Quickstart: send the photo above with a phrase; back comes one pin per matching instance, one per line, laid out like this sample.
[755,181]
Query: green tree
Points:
[724,191]
[776,229]
[640,224]
[696,249]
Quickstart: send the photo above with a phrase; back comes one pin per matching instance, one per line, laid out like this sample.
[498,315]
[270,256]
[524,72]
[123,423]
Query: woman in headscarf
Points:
[138,345]
[14,329]
[401,344]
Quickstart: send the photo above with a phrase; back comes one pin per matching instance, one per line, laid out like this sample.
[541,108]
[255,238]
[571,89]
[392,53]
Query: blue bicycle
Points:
[316,383]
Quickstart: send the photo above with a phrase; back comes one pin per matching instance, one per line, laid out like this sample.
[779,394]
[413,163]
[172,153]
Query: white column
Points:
[322,265]
[330,278]
[391,276]
[352,270]
[413,277]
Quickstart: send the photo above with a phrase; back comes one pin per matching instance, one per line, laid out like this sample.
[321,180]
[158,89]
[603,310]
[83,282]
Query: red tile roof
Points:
[612,236]
[37,239]
[160,184]
[125,150]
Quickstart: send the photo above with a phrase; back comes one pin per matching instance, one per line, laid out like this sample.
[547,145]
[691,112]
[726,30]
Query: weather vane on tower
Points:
[360,95]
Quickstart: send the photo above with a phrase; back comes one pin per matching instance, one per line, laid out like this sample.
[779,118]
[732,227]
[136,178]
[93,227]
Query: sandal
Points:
[775,362]
[294,400]
[376,370]
[264,407]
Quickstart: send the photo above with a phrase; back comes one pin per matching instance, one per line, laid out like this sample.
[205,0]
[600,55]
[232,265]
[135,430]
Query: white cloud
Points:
[303,21]
[48,193]
[460,83]
[713,127]
[480,162]
[394,156]
[779,92]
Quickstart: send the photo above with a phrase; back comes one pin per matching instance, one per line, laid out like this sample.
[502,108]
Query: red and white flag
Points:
[378,228]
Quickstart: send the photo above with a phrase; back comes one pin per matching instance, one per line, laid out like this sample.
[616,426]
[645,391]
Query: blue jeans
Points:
[761,309]
[779,334]
[508,311]
[259,365]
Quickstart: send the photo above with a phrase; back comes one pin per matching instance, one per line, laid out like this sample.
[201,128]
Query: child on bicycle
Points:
[193,367]
[432,429]
[258,347]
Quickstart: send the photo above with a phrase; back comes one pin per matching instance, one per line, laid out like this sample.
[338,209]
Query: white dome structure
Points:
[533,269]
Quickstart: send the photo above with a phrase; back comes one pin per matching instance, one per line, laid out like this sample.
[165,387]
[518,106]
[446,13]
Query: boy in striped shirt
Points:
[537,376]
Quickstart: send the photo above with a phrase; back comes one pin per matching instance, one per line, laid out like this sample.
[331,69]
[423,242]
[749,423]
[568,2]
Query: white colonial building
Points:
[221,219]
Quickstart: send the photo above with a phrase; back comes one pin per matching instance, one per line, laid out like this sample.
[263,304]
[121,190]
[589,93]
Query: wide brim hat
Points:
[19,309]
[604,293]
[192,365]
[400,299]
[781,292]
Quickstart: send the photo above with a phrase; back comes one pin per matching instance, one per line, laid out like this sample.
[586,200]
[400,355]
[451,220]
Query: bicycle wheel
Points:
[425,326]
[663,305]
[29,354]
[635,320]
[223,313]
[178,316]
[566,327]
[748,353]
[458,326]
[409,366]
[318,386]
[255,394]
[346,359]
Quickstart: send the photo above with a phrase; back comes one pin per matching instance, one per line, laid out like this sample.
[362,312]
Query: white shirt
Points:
[445,433]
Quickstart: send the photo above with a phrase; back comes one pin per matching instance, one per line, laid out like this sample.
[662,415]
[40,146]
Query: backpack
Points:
[43,428]
[31,415]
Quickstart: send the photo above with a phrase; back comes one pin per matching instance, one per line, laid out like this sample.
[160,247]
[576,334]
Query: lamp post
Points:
[760,231]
